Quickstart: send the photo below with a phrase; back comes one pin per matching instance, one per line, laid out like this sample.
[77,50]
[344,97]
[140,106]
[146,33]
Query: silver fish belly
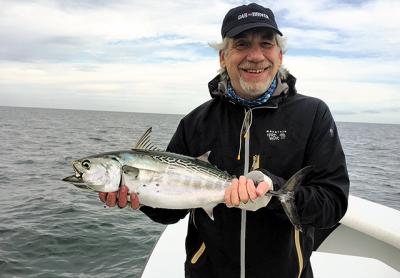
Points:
[175,187]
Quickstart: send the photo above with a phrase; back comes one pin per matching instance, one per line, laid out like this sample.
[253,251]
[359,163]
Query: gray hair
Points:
[281,42]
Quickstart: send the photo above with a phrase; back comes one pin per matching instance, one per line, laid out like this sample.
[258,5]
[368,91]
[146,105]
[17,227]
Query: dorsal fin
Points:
[144,143]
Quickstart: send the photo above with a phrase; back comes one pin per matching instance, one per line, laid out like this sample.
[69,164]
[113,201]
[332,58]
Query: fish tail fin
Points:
[290,209]
[286,195]
[295,180]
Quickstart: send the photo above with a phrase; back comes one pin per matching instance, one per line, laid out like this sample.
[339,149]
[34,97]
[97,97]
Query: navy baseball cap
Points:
[247,17]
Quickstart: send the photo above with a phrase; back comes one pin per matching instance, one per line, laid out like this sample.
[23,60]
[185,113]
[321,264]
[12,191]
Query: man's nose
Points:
[255,54]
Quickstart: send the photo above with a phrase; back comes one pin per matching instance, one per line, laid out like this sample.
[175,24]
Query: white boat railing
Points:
[367,245]
[368,230]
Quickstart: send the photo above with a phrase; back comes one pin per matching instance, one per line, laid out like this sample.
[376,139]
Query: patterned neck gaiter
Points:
[254,102]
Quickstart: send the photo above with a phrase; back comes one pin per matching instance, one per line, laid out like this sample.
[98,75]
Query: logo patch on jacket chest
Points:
[276,135]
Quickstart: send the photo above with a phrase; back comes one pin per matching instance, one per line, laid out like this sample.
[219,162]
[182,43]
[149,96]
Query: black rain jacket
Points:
[288,133]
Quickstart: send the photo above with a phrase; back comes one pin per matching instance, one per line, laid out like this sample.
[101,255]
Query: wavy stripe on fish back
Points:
[187,162]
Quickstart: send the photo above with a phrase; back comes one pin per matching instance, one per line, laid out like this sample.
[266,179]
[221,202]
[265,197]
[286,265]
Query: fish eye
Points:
[86,164]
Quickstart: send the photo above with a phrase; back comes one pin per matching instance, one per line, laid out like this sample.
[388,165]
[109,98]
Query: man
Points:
[256,119]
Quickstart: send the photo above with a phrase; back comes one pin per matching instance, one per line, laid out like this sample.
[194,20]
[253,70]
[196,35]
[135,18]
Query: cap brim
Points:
[239,29]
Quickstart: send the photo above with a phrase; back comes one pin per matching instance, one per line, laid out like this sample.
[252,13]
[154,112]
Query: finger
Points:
[251,189]
[228,192]
[111,199]
[103,196]
[134,201]
[235,194]
[123,196]
[262,188]
[242,190]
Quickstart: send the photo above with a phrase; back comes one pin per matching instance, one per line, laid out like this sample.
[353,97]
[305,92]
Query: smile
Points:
[255,70]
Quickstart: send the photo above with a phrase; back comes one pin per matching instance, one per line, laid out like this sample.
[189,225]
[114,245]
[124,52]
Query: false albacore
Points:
[167,180]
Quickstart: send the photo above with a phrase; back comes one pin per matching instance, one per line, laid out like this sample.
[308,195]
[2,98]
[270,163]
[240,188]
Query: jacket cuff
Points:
[260,202]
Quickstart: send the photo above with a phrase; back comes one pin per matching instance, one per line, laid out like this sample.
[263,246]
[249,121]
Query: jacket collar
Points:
[285,88]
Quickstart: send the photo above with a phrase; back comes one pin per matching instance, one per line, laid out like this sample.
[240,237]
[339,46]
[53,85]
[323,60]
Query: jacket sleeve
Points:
[169,216]
[321,200]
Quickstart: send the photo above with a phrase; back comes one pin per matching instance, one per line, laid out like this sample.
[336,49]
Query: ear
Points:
[280,55]
[222,59]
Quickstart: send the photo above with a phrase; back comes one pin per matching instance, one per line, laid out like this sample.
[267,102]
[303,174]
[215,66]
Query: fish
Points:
[172,181]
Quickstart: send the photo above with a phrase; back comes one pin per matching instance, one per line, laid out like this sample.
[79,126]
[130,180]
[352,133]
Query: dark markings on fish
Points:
[194,166]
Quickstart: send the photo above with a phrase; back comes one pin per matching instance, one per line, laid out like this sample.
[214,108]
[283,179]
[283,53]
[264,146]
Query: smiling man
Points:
[257,120]
[252,60]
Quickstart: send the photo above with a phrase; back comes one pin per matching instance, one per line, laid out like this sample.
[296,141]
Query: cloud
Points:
[153,55]
[75,31]
[349,86]
[175,87]
[83,29]
[364,28]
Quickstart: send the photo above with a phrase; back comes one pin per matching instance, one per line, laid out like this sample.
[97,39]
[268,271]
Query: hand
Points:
[243,189]
[119,197]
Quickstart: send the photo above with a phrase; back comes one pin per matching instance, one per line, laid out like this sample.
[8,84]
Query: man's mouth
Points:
[258,70]
[253,70]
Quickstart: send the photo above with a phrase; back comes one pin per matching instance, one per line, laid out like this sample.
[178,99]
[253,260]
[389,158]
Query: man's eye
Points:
[267,44]
[241,44]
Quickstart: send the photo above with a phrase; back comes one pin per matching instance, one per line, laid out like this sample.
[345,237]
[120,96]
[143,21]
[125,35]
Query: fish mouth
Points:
[73,179]
[78,182]
[76,179]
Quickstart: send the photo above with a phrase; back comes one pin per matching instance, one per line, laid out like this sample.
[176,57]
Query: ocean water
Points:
[50,229]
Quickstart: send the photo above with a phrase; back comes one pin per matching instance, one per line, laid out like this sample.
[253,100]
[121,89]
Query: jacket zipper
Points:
[244,213]
[246,135]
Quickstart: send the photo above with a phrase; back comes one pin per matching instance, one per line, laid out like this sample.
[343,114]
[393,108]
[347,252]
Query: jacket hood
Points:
[286,87]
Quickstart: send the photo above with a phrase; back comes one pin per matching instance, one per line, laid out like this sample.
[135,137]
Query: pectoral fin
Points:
[130,171]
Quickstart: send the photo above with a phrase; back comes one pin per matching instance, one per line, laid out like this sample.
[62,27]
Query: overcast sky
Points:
[153,56]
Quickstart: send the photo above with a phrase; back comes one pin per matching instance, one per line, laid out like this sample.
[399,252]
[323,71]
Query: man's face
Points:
[252,61]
